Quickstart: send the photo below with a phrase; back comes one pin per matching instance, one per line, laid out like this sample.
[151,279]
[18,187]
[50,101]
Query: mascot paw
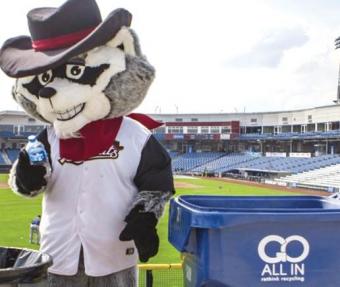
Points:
[141,227]
[29,177]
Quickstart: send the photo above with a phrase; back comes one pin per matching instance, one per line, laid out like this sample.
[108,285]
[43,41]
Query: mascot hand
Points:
[29,177]
[141,227]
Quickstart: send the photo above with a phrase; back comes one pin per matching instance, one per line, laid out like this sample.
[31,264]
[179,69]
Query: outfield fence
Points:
[160,275]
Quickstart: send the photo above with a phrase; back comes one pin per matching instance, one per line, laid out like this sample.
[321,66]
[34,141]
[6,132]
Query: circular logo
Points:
[282,255]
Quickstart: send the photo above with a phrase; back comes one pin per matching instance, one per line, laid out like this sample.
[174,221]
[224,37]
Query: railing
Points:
[164,275]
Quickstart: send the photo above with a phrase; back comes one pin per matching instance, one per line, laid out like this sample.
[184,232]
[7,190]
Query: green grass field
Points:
[167,253]
[17,212]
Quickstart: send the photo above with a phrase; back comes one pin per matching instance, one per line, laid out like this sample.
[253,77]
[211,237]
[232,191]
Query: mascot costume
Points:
[110,178]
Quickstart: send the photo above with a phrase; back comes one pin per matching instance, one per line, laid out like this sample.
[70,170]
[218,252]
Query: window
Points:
[175,130]
[31,120]
[286,129]
[297,128]
[310,118]
[214,130]
[6,128]
[311,128]
[253,121]
[284,120]
[33,129]
[192,130]
[194,120]
[226,130]
[204,130]
[160,130]
[178,120]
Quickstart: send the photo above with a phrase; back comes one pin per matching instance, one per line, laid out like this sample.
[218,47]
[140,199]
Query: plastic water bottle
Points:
[37,153]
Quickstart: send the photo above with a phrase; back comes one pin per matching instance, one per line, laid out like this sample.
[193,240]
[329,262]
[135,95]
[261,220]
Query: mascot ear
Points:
[126,40]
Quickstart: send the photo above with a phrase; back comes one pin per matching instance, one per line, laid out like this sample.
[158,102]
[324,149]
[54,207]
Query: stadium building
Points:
[315,131]
[296,148]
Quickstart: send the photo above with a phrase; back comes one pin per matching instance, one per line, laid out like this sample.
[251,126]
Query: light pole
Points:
[337,46]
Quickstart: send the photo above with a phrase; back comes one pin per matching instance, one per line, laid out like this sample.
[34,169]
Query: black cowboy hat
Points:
[58,34]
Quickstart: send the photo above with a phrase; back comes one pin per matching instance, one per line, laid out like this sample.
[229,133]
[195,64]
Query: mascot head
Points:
[75,68]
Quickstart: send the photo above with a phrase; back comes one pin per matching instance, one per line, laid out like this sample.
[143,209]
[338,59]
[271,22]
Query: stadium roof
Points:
[22,113]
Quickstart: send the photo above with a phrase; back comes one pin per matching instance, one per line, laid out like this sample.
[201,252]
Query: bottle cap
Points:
[31,138]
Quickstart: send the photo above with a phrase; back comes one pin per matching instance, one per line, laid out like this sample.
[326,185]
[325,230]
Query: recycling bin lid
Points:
[209,211]
[22,265]
[262,204]
[206,212]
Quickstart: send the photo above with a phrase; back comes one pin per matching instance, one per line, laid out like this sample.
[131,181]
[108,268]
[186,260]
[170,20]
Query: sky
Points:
[221,56]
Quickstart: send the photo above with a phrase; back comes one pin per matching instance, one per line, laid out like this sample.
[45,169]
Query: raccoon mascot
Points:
[110,177]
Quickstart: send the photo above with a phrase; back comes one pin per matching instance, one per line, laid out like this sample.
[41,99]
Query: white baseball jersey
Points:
[86,202]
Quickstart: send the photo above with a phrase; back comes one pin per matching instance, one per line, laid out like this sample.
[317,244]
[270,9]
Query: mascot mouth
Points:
[70,113]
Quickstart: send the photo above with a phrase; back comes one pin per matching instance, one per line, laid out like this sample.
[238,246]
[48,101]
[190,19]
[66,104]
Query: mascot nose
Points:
[47,93]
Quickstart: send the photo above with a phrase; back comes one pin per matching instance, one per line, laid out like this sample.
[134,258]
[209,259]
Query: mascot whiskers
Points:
[110,178]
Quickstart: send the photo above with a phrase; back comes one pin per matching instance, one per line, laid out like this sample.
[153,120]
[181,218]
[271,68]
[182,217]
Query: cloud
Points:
[268,52]
[214,55]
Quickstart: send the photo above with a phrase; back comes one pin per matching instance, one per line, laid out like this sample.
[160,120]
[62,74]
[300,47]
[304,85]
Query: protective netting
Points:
[159,275]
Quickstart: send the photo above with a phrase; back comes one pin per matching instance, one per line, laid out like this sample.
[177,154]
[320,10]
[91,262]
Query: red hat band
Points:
[60,41]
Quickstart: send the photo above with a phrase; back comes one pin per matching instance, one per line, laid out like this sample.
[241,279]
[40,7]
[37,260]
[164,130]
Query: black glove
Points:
[29,177]
[141,227]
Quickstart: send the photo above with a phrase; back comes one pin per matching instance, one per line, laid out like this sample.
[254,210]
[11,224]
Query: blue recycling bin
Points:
[247,241]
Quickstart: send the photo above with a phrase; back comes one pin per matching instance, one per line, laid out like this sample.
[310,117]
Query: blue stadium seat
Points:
[12,154]
[221,162]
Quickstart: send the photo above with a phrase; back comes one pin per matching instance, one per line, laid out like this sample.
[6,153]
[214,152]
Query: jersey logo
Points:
[130,251]
[111,153]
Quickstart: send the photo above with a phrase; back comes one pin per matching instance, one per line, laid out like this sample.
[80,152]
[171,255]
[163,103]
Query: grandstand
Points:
[189,161]
[327,178]
[280,147]
[270,165]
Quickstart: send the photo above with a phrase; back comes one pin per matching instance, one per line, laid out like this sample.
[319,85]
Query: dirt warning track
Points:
[3,185]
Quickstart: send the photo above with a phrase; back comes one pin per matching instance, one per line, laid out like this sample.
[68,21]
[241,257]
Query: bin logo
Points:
[283,257]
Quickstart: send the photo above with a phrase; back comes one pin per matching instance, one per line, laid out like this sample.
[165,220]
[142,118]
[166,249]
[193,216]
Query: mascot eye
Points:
[74,71]
[45,78]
